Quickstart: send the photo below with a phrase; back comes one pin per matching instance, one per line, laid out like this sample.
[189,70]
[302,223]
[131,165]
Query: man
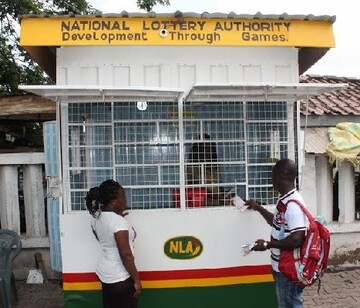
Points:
[288,230]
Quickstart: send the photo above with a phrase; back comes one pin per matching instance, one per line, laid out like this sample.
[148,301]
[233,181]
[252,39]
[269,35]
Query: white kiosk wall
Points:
[170,67]
[174,67]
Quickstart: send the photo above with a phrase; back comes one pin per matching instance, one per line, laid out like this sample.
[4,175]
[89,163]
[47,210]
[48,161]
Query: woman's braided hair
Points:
[98,197]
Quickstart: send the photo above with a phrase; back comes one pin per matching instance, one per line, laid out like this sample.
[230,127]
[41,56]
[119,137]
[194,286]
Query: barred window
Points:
[218,148]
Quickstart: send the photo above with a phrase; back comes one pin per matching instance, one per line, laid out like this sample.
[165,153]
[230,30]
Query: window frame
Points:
[258,91]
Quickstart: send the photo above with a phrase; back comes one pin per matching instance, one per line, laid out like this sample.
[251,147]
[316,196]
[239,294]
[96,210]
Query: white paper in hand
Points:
[239,203]
[246,249]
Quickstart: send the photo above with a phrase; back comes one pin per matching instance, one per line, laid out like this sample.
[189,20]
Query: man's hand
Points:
[260,245]
[252,205]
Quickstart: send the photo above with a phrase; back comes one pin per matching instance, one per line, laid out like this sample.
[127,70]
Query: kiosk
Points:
[185,110]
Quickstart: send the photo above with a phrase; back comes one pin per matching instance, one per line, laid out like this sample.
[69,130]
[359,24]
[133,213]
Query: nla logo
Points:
[183,247]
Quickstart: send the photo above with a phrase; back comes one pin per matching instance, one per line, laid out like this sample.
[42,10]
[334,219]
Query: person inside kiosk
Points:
[116,269]
[204,169]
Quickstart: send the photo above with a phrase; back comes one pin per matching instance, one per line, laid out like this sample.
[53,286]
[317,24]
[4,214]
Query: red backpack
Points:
[307,264]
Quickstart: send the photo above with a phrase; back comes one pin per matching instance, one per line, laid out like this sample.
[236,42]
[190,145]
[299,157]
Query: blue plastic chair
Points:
[10,246]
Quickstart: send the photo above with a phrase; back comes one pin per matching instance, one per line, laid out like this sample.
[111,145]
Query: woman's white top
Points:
[110,268]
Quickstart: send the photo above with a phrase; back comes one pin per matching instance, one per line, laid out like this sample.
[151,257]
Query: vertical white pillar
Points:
[308,183]
[9,198]
[346,192]
[34,201]
[324,189]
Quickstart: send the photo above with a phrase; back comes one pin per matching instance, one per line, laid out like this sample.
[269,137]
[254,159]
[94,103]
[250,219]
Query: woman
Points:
[116,270]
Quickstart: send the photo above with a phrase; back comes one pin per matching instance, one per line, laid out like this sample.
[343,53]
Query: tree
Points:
[16,65]
[147,5]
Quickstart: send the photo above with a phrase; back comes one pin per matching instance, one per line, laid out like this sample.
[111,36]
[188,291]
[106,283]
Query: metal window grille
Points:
[218,149]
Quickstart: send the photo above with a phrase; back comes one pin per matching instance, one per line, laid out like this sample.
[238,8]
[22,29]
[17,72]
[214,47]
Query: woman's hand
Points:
[138,288]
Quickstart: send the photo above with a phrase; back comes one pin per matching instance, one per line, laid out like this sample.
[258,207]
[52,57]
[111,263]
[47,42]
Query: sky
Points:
[341,61]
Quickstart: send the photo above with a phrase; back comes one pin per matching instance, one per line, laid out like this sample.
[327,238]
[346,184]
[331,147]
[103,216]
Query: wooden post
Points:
[34,201]
[9,198]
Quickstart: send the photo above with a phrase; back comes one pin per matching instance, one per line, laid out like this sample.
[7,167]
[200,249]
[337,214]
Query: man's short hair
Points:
[286,168]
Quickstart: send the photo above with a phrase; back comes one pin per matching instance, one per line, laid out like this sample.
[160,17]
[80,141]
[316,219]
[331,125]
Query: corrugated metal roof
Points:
[25,104]
[340,102]
[217,15]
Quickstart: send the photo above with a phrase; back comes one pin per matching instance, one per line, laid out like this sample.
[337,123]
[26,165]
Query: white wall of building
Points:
[174,66]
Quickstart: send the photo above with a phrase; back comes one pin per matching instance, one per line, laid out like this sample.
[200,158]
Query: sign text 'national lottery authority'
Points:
[150,31]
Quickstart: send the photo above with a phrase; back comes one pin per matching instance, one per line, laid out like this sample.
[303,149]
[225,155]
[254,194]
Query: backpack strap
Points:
[304,209]
[282,208]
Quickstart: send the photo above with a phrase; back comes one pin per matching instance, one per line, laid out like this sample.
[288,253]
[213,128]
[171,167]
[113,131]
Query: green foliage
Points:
[14,9]
[147,5]
[34,133]
[79,7]
[9,71]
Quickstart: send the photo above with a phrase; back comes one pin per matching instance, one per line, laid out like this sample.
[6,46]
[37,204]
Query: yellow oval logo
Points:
[183,247]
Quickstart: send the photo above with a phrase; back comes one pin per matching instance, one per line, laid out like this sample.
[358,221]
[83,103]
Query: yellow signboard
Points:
[86,31]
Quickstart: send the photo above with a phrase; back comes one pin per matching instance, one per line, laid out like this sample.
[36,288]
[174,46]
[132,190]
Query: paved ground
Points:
[339,288]
[46,295]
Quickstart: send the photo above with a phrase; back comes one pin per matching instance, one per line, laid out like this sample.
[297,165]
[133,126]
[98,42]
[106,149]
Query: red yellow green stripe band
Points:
[179,278]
